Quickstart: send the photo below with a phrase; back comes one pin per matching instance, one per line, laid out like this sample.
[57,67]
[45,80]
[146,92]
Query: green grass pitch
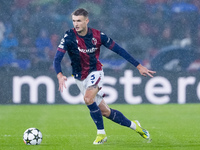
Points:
[69,127]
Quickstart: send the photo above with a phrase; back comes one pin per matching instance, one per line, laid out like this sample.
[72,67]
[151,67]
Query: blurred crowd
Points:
[30,30]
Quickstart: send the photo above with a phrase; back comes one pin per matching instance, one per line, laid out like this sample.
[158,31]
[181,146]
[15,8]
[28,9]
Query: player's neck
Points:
[83,32]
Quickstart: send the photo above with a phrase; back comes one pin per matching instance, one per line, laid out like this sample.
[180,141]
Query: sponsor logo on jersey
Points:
[90,50]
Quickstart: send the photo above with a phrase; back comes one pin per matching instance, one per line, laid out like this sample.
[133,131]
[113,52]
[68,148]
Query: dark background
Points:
[163,35]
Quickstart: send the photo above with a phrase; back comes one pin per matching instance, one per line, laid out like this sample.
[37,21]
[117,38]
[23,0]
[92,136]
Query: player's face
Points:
[80,24]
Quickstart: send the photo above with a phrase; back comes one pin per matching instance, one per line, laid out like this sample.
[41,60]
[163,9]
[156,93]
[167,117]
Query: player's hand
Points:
[144,71]
[61,80]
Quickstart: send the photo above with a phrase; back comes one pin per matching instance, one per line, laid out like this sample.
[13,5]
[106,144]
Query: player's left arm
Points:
[144,71]
[110,44]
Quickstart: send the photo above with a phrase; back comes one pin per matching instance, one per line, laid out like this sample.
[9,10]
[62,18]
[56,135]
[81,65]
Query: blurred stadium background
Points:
[163,35]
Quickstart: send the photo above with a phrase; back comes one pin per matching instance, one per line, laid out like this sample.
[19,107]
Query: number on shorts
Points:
[92,77]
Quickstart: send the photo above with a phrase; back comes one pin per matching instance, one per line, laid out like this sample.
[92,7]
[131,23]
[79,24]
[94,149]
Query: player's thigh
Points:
[94,78]
[93,83]
[105,109]
[90,94]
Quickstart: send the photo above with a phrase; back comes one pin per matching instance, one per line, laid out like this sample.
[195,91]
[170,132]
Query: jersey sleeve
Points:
[106,41]
[65,42]
[61,50]
[110,44]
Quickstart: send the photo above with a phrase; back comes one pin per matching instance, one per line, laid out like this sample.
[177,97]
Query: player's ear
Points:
[87,20]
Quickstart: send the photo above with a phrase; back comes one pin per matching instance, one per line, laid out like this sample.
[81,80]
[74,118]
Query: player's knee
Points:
[88,100]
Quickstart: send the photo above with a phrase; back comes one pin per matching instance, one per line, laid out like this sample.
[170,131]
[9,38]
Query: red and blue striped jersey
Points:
[84,52]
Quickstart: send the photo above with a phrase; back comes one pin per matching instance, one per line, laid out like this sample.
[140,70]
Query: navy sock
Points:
[96,115]
[119,118]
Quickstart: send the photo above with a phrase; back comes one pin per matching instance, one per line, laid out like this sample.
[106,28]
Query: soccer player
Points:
[83,47]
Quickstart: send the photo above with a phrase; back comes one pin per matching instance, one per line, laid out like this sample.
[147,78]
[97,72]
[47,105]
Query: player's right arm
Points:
[61,81]
[57,62]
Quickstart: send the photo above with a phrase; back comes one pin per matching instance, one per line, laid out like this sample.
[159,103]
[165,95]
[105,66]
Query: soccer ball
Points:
[32,136]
